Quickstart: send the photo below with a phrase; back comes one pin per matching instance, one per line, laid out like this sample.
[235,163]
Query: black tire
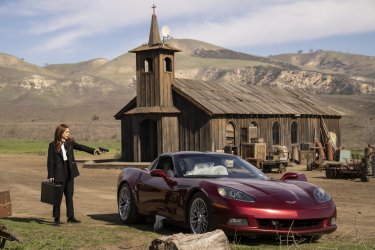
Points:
[365,178]
[334,173]
[127,209]
[329,173]
[199,214]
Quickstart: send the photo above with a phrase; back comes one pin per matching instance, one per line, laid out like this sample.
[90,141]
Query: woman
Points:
[62,169]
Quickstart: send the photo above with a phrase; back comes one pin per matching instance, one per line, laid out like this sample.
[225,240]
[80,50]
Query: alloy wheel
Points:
[124,203]
[198,218]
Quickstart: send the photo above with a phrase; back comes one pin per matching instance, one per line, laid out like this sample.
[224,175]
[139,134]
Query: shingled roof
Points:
[217,98]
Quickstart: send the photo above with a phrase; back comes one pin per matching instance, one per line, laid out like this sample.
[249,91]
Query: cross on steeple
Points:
[153,7]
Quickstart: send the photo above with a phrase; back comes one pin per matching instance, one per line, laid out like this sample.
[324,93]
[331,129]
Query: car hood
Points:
[296,193]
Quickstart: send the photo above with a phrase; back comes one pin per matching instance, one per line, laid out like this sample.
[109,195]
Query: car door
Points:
[153,193]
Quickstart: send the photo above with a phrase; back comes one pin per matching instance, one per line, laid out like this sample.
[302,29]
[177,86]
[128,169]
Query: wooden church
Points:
[170,114]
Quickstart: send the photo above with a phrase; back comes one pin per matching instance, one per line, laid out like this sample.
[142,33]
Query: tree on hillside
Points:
[300,51]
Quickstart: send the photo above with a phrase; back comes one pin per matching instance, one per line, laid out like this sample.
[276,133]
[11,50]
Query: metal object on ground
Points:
[255,153]
[268,165]
[348,168]
[342,155]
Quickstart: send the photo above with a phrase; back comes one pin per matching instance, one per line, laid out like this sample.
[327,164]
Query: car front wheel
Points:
[199,214]
[126,206]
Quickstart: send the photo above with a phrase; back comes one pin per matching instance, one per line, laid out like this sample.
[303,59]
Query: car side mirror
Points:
[161,173]
[293,176]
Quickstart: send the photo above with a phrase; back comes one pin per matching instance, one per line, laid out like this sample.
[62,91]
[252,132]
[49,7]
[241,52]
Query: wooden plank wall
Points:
[147,82]
[194,126]
[170,134]
[333,125]
[305,134]
[193,130]
[166,80]
[154,88]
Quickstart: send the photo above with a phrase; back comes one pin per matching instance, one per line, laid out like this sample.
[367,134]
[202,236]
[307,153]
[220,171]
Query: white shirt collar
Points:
[63,150]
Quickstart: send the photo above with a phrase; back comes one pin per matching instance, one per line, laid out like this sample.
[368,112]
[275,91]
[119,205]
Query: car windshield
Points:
[216,165]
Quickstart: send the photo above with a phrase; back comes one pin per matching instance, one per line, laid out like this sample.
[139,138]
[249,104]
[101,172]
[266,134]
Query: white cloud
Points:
[229,23]
[287,22]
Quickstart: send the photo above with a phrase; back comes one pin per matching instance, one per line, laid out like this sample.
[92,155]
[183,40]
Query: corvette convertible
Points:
[206,191]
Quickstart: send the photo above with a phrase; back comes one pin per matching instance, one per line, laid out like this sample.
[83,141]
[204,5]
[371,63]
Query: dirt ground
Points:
[95,195]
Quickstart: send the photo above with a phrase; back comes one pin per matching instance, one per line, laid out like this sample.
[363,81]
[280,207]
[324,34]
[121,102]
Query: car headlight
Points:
[321,196]
[234,194]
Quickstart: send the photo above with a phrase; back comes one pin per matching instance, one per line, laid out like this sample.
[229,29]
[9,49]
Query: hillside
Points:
[331,61]
[89,93]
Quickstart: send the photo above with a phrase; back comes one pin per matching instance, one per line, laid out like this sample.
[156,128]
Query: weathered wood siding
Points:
[169,139]
[166,135]
[194,126]
[307,127]
[154,89]
[333,125]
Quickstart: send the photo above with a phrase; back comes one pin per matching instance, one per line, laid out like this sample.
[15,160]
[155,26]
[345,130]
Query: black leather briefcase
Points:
[51,193]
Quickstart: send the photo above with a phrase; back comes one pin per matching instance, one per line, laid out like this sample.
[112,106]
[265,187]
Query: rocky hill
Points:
[97,89]
[319,73]
[332,62]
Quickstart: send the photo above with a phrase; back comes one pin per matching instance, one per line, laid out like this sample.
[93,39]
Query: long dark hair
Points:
[58,136]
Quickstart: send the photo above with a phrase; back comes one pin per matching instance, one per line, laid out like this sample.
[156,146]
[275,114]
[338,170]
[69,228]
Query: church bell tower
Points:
[153,122]
[155,70]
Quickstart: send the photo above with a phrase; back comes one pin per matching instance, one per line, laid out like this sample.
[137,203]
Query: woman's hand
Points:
[51,180]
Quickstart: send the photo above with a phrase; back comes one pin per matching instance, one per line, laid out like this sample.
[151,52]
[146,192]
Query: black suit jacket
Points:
[55,162]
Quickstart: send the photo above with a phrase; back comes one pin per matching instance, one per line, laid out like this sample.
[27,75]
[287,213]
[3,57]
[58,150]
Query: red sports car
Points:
[205,191]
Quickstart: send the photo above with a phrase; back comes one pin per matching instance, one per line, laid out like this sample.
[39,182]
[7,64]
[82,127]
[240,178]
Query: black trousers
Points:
[68,187]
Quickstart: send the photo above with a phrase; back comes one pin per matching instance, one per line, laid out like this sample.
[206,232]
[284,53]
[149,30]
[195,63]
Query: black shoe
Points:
[73,220]
[56,222]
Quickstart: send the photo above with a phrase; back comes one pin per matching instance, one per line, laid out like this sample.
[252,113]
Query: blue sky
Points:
[68,31]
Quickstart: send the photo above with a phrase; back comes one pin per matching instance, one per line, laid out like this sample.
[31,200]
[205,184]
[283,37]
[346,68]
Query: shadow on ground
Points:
[27,220]
[169,229]
[146,225]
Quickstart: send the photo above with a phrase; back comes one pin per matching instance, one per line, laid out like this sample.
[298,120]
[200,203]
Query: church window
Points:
[294,132]
[148,65]
[167,65]
[276,133]
[230,134]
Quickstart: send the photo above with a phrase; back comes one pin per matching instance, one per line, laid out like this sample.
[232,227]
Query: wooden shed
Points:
[171,114]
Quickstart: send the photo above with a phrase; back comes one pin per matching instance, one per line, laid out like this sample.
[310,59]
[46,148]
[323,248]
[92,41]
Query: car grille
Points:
[286,224]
